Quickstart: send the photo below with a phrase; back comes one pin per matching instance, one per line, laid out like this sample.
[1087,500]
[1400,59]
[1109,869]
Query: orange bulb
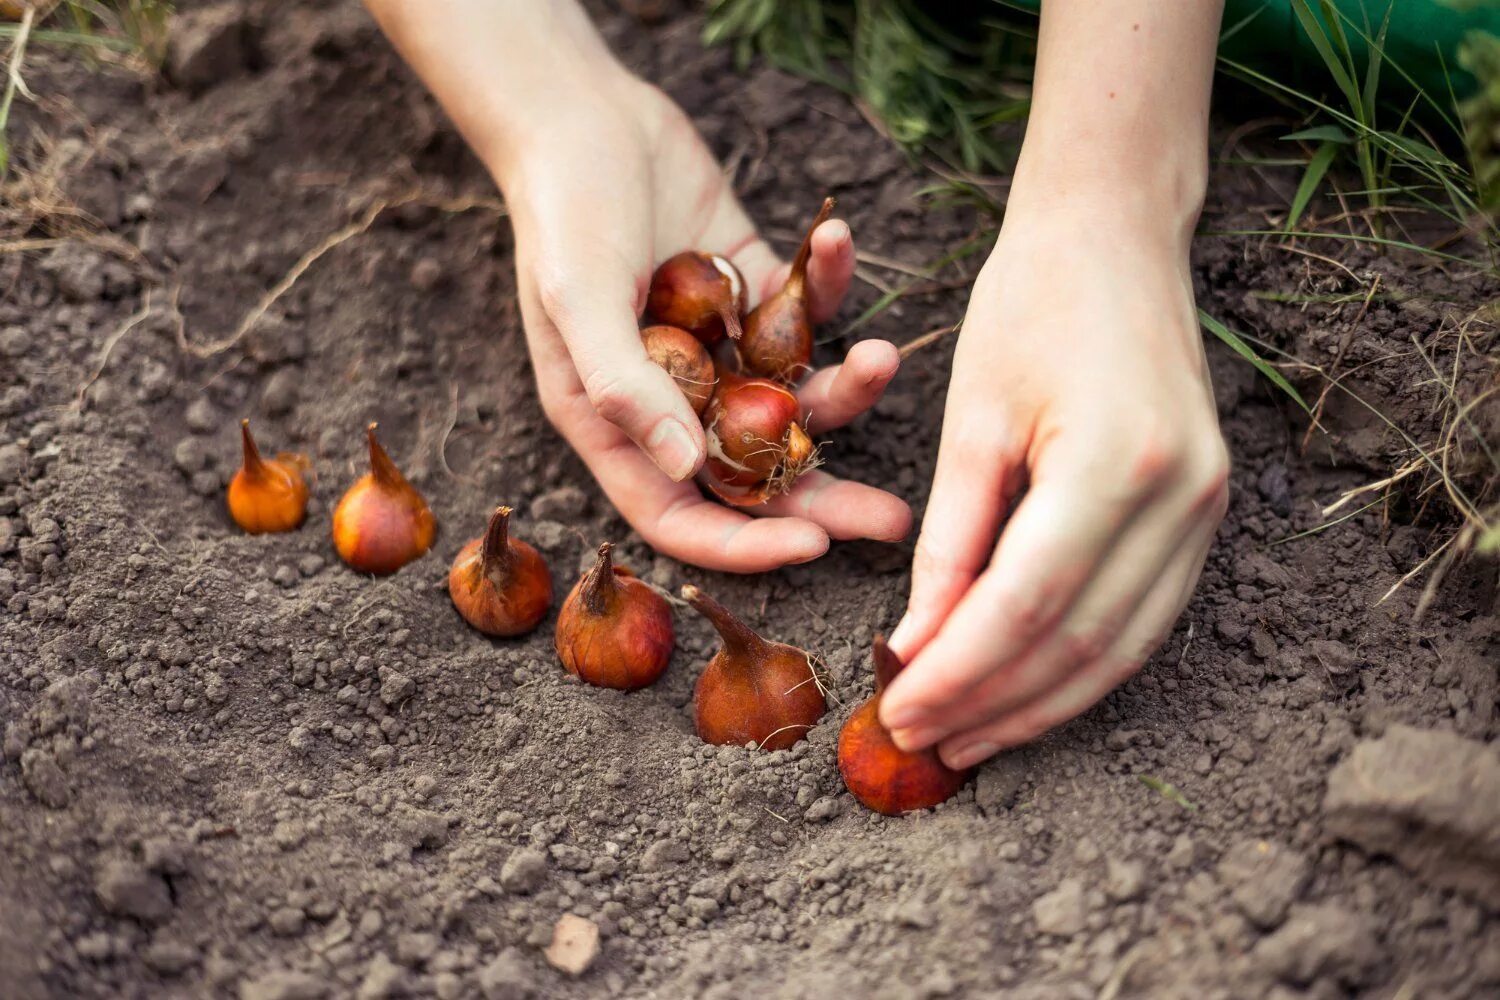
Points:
[614,630]
[778,338]
[500,584]
[267,495]
[884,777]
[382,523]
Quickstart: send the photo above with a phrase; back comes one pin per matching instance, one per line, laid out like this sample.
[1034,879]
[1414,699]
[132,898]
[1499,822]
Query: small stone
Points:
[575,945]
[416,947]
[524,871]
[550,536]
[190,455]
[823,810]
[169,958]
[284,984]
[1063,912]
[287,921]
[126,889]
[15,342]
[1264,879]
[201,417]
[1124,879]
[663,854]
[396,687]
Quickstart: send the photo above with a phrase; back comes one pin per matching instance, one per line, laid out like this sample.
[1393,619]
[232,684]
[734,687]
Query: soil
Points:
[232,767]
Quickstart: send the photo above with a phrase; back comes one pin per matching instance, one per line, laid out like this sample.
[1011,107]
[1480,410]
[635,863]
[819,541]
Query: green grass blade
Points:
[1244,350]
[1320,133]
[1311,178]
[1318,35]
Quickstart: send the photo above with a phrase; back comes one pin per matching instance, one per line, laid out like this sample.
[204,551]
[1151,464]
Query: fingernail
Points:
[671,447]
[904,717]
[970,755]
[916,738]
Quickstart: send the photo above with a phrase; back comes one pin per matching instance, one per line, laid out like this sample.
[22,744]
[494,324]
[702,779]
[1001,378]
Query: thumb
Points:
[595,312]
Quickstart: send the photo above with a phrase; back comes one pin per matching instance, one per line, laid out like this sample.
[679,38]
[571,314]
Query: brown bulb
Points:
[778,338]
[500,584]
[702,293]
[753,690]
[267,494]
[754,440]
[884,777]
[382,523]
[614,630]
[682,356]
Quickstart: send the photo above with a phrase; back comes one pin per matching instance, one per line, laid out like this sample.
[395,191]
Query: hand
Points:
[605,177]
[1080,393]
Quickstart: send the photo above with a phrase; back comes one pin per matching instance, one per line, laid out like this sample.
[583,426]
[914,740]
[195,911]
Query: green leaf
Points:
[1318,35]
[1168,791]
[1311,178]
[1244,350]
[1320,133]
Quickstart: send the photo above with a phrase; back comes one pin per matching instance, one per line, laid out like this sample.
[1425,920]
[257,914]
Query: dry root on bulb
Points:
[382,523]
[752,690]
[884,777]
[682,356]
[614,630]
[267,494]
[500,584]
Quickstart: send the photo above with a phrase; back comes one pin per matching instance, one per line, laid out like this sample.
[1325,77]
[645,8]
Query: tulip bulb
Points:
[682,356]
[267,494]
[754,440]
[884,777]
[778,338]
[702,293]
[500,584]
[753,690]
[614,631]
[382,523]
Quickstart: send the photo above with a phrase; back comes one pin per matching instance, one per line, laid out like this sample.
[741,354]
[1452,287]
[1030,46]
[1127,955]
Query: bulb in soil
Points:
[778,338]
[382,523]
[753,690]
[500,584]
[702,293]
[267,494]
[682,356]
[614,631]
[878,773]
[755,442]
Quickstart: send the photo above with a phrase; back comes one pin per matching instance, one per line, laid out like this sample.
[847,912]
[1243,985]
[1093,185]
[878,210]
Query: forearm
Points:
[500,68]
[1120,109]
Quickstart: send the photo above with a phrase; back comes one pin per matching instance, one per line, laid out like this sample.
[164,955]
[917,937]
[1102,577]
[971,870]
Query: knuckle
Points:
[1087,644]
[1027,610]
[614,395]
[1211,484]
[1155,456]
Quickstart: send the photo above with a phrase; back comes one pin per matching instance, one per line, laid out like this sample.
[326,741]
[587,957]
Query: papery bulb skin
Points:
[778,338]
[614,631]
[702,293]
[382,523]
[882,776]
[752,690]
[267,494]
[682,356]
[754,438]
[500,584]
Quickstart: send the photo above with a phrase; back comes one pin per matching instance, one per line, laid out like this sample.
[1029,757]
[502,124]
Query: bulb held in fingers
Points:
[755,442]
[753,690]
[702,293]
[382,523]
[267,494]
[614,631]
[778,338]
[682,356]
[884,777]
[499,583]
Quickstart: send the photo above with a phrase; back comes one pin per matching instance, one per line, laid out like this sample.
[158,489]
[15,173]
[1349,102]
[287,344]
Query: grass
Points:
[1427,171]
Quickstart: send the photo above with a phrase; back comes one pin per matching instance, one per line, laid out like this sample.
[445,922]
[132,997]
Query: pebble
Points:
[15,342]
[395,687]
[169,958]
[201,417]
[1063,912]
[284,984]
[287,921]
[1124,879]
[127,889]
[191,455]
[575,944]
[383,979]
[524,871]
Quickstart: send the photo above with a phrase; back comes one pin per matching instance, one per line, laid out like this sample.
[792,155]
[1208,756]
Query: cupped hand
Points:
[599,197]
[1080,430]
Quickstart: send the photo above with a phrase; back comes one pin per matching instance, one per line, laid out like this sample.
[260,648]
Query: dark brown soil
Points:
[232,767]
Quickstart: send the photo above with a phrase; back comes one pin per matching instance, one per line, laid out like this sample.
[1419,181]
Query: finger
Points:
[1147,555]
[843,508]
[1052,547]
[1081,691]
[594,309]
[835,395]
[830,268]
